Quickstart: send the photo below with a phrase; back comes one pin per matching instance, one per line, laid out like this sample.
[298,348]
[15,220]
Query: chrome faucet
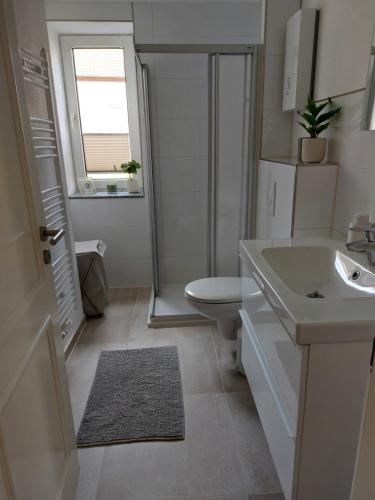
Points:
[367,245]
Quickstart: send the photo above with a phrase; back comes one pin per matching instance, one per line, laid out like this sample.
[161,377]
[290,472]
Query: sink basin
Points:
[320,291]
[320,272]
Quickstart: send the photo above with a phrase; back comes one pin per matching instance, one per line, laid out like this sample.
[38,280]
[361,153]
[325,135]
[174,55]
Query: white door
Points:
[38,460]
[364,477]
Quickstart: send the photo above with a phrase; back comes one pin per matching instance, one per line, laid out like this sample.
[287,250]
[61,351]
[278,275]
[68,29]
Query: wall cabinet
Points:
[299,59]
[294,199]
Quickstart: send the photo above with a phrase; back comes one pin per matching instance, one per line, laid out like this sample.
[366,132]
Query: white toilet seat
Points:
[215,290]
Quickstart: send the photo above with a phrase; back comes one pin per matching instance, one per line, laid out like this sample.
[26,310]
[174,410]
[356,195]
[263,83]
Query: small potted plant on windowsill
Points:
[112,186]
[131,168]
[313,148]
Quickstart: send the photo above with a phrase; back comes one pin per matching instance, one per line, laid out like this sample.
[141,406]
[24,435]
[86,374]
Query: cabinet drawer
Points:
[283,448]
[281,357]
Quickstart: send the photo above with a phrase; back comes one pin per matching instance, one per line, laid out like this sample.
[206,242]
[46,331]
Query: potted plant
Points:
[313,148]
[131,168]
[112,186]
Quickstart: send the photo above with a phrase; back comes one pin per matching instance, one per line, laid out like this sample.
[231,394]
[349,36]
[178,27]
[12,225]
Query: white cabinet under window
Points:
[295,199]
[101,91]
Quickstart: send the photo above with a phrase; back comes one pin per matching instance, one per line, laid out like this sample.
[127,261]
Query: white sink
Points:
[319,290]
[320,272]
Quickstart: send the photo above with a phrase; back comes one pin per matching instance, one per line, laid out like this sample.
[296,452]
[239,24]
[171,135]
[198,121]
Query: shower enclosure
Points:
[198,147]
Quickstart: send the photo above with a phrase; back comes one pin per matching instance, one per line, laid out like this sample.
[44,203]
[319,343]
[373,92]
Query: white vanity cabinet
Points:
[309,398]
[295,199]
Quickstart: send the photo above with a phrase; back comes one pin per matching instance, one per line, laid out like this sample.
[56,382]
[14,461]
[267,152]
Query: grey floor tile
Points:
[90,460]
[259,472]
[121,302]
[106,329]
[233,381]
[81,369]
[225,455]
[231,497]
[270,496]
[199,368]
[205,464]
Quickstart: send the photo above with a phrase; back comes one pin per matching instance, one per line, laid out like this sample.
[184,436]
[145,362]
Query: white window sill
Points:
[103,195]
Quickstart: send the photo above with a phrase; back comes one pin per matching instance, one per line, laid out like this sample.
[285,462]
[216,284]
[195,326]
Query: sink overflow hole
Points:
[315,295]
[355,275]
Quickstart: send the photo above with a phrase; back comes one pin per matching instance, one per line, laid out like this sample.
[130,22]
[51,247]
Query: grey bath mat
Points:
[136,396]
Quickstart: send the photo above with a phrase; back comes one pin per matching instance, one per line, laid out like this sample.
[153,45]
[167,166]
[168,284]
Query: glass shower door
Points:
[199,128]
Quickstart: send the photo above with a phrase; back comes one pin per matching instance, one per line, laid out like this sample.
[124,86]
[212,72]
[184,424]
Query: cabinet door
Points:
[282,180]
[264,199]
[275,200]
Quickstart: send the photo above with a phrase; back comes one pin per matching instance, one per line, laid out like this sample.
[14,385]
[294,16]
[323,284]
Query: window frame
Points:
[124,42]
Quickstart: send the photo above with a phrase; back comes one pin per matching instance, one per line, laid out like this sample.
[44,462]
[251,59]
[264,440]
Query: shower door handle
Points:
[54,235]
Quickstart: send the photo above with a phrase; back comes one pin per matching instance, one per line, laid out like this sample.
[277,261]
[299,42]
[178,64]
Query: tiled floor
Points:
[224,455]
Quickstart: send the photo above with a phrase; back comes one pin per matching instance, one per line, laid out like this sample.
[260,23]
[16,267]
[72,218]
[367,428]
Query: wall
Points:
[123,223]
[179,96]
[198,22]
[179,108]
[88,10]
[276,124]
[345,34]
[124,226]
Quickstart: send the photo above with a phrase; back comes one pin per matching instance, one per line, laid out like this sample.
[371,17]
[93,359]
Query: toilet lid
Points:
[218,290]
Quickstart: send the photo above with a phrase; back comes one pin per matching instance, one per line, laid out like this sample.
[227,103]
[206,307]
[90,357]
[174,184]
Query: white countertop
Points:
[331,319]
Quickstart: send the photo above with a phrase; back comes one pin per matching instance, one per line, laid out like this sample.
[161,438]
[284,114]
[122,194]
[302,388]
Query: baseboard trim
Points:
[75,338]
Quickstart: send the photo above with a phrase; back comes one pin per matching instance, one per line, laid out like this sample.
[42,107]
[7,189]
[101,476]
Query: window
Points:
[102,100]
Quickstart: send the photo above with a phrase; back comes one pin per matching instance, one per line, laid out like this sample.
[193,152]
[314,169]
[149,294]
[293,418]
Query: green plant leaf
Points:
[311,106]
[322,127]
[309,130]
[311,120]
[320,107]
[328,115]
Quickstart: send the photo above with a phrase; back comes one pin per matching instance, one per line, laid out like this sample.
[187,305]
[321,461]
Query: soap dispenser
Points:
[358,220]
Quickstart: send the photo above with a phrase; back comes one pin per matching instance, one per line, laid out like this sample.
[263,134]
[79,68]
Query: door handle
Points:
[54,235]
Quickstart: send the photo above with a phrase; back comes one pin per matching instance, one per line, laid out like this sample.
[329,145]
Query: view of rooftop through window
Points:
[101,92]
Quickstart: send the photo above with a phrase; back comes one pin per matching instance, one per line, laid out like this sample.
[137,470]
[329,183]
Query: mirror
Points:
[368,112]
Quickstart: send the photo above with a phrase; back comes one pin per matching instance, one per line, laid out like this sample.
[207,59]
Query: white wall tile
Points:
[180,241]
[143,26]
[179,138]
[203,137]
[183,269]
[180,66]
[109,212]
[276,133]
[124,226]
[207,21]
[182,174]
[179,174]
[181,98]
[88,10]
[276,126]
[354,195]
[122,242]
[128,272]
[273,82]
[277,15]
[181,209]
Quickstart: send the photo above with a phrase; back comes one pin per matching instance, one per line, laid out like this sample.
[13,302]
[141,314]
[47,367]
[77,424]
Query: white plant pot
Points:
[313,149]
[133,186]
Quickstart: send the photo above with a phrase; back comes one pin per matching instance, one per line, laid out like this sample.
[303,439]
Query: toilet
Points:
[220,299]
